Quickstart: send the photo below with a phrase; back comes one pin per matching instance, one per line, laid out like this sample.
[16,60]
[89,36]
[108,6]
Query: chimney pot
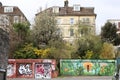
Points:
[66,3]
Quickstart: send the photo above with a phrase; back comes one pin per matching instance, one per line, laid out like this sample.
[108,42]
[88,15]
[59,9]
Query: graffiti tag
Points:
[10,70]
[43,71]
[25,69]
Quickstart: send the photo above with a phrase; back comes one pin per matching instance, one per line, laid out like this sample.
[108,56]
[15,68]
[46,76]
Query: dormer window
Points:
[76,7]
[56,9]
[8,9]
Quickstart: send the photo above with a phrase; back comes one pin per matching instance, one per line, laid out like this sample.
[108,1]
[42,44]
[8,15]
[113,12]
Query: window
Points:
[59,32]
[86,21]
[76,7]
[71,32]
[83,20]
[58,21]
[8,9]
[71,20]
[22,19]
[55,9]
[16,19]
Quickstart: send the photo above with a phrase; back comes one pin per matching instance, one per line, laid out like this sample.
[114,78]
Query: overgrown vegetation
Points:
[45,41]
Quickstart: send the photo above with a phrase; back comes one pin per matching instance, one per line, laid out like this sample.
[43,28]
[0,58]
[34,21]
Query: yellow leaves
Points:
[107,51]
[89,54]
[42,52]
[28,47]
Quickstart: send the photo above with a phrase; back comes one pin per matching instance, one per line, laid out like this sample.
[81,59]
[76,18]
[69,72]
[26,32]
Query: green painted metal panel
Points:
[76,67]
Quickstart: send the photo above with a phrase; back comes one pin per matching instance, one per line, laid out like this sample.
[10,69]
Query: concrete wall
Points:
[31,68]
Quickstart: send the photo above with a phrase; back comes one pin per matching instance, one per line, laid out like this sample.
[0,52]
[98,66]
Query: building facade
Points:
[116,22]
[10,15]
[68,18]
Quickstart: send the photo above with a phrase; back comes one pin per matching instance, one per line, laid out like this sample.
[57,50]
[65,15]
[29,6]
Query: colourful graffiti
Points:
[87,67]
[10,70]
[43,71]
[25,69]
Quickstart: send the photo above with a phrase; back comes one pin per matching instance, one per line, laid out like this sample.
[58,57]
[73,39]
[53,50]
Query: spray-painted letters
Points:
[43,71]
[24,69]
[10,70]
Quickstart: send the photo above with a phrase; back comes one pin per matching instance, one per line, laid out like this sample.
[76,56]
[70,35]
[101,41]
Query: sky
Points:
[105,9]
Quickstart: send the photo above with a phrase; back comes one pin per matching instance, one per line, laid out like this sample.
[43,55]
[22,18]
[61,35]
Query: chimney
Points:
[66,3]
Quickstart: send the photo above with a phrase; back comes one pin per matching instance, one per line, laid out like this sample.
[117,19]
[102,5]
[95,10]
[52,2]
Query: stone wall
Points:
[4,47]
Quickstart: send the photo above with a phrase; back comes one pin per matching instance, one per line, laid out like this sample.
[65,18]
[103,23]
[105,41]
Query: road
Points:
[72,78]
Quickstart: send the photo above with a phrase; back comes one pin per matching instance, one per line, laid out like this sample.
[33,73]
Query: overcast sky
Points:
[105,9]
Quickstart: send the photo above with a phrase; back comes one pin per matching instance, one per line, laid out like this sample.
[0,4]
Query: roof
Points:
[113,20]
[69,11]
[16,11]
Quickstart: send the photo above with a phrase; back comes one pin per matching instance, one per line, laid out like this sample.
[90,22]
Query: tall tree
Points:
[83,29]
[18,34]
[108,33]
[45,29]
[46,34]
[13,41]
[22,30]
[117,40]
[87,43]
[107,51]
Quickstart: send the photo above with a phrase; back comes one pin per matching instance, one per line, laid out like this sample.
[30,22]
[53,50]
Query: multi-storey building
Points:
[116,22]
[68,18]
[10,15]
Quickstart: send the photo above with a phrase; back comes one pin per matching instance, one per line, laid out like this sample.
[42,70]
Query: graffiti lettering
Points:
[10,70]
[43,71]
[25,69]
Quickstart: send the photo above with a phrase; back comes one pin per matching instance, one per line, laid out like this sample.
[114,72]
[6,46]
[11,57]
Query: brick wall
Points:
[31,68]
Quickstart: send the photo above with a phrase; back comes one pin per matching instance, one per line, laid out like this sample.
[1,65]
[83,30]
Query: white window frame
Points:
[55,9]
[76,7]
[71,20]
[16,19]
[59,21]
[8,9]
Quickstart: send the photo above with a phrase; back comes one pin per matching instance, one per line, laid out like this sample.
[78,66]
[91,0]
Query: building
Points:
[69,16]
[116,22]
[10,15]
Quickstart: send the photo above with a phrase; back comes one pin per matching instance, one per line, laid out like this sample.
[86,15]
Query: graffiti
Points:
[10,69]
[31,68]
[25,69]
[87,67]
[43,71]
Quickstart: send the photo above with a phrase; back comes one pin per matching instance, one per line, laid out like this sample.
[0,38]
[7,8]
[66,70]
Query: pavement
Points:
[70,78]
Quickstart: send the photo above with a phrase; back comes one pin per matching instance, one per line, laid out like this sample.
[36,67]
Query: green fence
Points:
[76,67]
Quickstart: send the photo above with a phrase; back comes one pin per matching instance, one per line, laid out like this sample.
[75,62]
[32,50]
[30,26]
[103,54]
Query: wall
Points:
[78,67]
[31,68]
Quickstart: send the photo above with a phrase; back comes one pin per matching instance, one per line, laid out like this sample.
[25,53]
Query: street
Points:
[72,78]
